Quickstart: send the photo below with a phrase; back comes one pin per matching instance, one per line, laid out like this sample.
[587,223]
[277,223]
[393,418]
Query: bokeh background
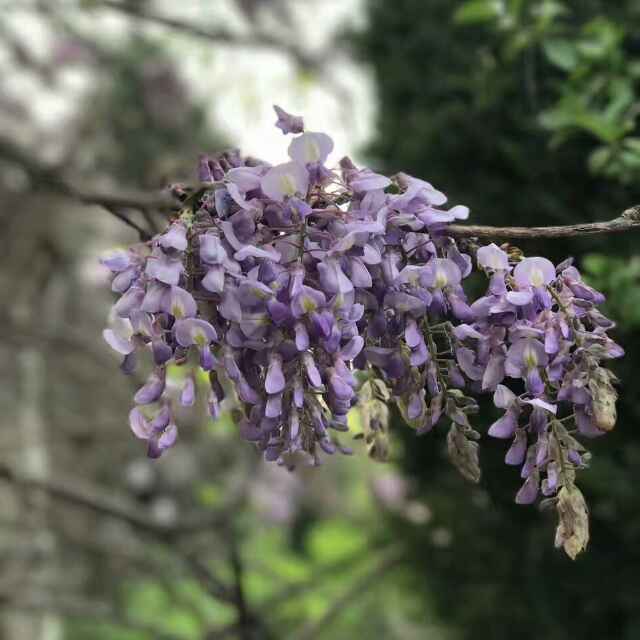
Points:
[525,110]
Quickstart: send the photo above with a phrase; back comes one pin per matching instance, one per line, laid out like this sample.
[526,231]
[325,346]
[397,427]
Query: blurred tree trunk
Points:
[29,544]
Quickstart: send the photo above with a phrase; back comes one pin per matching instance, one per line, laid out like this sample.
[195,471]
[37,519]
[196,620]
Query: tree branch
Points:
[244,617]
[42,174]
[147,202]
[108,506]
[299,587]
[260,39]
[629,220]
[385,563]
[100,504]
[117,213]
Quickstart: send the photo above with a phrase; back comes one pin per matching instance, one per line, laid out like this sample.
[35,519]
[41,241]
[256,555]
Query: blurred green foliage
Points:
[620,278]
[596,91]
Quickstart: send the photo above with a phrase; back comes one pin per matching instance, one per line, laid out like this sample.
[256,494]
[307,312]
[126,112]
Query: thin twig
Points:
[299,587]
[629,220]
[108,506]
[147,202]
[386,562]
[244,617]
[295,590]
[254,39]
[44,175]
[98,503]
[51,177]
[115,211]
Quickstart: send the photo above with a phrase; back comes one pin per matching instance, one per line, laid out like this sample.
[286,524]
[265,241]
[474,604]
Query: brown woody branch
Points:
[44,175]
[118,203]
[49,176]
[629,220]
[106,505]
[301,587]
[386,562]
[254,39]
[99,502]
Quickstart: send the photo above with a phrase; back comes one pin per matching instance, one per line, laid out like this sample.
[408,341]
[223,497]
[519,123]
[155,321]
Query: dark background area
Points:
[461,106]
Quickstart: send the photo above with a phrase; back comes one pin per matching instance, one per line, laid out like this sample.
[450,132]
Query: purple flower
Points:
[310,148]
[204,169]
[332,278]
[571,276]
[505,427]
[288,123]
[516,453]
[194,331]
[179,303]
[161,433]
[212,250]
[312,370]
[245,178]
[529,490]
[525,358]
[353,347]
[188,393]
[534,272]
[274,382]
[441,273]
[285,180]
[493,257]
[117,261]
[164,268]
[174,238]
[119,336]
[366,180]
[124,279]
[153,388]
[301,336]
[214,279]
[306,301]
[322,291]
[130,302]
[417,190]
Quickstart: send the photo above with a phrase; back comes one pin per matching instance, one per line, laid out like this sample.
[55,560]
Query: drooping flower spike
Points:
[310,291]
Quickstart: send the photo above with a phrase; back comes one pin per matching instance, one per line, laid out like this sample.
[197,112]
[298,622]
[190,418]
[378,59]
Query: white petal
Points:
[117,342]
[311,147]
[286,179]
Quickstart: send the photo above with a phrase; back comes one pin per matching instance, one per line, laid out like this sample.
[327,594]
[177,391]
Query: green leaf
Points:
[622,97]
[632,144]
[558,117]
[595,263]
[333,540]
[475,11]
[599,159]
[561,53]
[521,40]
[210,494]
[600,126]
[548,10]
[630,160]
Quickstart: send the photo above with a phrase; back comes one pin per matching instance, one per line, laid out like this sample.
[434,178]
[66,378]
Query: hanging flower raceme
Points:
[304,291]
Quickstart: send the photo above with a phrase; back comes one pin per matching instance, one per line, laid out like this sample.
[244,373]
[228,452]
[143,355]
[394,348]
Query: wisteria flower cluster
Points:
[305,291]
